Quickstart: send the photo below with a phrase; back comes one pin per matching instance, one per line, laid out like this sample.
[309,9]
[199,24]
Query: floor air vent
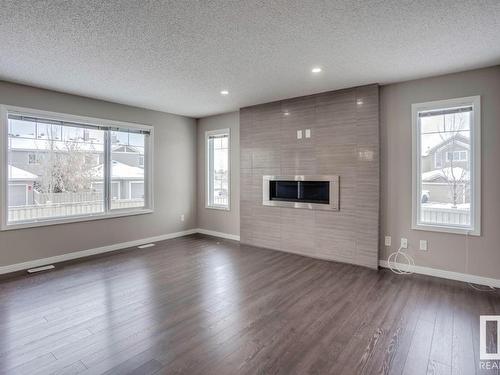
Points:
[146,245]
[40,269]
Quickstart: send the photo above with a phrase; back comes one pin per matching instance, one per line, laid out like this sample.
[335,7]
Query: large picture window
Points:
[218,181]
[59,168]
[446,165]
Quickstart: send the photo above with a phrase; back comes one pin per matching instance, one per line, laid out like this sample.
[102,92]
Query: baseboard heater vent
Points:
[40,269]
[146,245]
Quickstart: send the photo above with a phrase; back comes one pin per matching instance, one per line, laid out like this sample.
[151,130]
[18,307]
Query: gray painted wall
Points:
[217,220]
[446,251]
[344,141]
[175,180]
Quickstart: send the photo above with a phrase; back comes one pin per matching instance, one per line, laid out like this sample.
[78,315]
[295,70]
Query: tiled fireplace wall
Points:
[344,141]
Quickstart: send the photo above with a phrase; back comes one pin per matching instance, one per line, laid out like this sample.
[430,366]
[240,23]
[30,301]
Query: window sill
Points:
[218,208]
[75,219]
[445,229]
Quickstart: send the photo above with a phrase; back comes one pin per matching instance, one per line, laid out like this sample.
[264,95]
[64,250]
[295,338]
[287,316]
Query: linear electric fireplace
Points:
[310,192]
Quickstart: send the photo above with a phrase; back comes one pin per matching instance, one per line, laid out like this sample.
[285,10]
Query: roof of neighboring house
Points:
[32,144]
[44,144]
[458,138]
[121,171]
[457,174]
[18,174]
[127,149]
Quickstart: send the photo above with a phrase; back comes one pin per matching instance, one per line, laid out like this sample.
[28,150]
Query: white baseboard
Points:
[218,234]
[85,253]
[480,280]
[105,249]
[132,244]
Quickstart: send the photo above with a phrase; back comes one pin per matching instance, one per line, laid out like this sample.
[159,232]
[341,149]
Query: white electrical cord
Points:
[401,263]
[398,267]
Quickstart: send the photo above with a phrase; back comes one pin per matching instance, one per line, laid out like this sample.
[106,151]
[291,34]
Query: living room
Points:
[249,187]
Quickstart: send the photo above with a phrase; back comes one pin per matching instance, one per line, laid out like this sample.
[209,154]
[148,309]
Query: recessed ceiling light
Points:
[316,70]
[286,113]
[224,92]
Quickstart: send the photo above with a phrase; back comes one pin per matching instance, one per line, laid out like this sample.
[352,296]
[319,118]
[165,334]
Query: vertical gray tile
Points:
[344,142]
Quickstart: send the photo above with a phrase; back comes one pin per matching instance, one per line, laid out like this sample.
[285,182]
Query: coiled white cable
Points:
[398,267]
[403,268]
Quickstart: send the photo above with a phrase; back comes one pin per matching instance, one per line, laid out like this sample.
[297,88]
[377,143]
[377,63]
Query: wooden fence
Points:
[440,215]
[54,210]
[87,196]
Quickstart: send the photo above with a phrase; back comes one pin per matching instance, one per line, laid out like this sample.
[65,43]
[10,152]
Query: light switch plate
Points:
[388,241]
[308,133]
[423,245]
[299,134]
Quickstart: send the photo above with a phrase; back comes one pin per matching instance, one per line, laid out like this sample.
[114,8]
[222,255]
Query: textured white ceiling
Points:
[176,56]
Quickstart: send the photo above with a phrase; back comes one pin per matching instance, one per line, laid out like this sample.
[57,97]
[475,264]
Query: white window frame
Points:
[475,173]
[5,110]
[209,134]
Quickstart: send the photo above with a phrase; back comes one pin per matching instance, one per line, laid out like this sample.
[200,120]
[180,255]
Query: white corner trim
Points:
[467,278]
[218,234]
[85,253]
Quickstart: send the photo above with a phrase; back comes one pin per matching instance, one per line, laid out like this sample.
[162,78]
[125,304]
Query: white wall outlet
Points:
[388,241]
[423,245]
[404,243]
[308,133]
[182,217]
[299,134]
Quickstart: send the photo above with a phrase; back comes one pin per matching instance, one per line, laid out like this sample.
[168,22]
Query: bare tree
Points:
[65,167]
[455,176]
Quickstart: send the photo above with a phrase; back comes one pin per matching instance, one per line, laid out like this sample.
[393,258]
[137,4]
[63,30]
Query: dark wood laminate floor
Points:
[199,305]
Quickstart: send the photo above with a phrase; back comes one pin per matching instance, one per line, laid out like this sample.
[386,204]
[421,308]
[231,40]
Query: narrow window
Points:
[218,181]
[446,193]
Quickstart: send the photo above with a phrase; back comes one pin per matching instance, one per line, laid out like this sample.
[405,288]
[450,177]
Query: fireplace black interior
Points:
[300,191]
